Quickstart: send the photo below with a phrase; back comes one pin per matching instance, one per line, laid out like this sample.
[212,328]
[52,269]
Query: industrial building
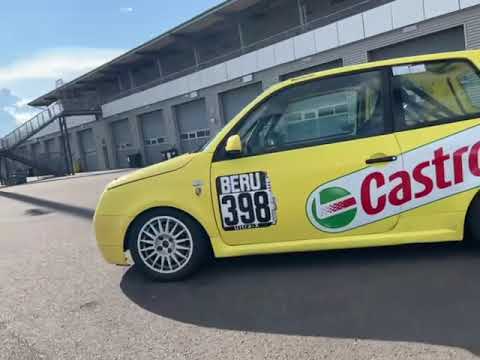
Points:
[179,89]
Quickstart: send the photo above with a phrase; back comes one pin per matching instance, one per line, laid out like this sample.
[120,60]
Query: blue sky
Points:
[42,41]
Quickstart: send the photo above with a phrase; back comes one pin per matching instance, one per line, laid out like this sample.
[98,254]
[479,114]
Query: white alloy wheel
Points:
[165,244]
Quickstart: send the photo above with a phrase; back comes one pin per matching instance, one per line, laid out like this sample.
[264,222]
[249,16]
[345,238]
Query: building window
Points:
[196,134]
[124,146]
[155,141]
[321,111]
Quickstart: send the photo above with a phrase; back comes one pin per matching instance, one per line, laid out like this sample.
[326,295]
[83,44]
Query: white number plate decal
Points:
[246,201]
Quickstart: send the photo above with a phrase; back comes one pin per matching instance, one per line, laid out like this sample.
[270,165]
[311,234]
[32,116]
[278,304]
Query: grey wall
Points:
[192,120]
[155,136]
[233,101]
[123,141]
[53,155]
[443,41]
[321,67]
[88,150]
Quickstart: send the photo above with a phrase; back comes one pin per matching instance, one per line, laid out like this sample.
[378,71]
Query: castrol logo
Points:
[419,177]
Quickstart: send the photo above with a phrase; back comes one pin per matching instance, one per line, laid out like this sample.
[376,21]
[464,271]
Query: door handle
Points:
[382,159]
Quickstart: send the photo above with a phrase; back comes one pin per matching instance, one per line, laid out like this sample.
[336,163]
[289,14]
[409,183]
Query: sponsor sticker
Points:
[432,172]
[409,69]
[332,208]
[246,201]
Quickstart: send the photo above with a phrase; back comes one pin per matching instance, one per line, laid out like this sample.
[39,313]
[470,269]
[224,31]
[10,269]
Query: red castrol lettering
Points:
[448,170]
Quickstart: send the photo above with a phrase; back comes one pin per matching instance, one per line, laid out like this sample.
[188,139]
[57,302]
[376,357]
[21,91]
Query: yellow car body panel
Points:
[188,183]
[301,166]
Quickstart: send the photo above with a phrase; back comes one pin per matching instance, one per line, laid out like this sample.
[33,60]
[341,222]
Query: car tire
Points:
[167,245]
[472,223]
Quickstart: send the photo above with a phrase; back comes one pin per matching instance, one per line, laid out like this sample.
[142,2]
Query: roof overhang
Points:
[209,18]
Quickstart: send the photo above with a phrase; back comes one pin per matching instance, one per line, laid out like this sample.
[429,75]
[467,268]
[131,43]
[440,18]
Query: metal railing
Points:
[43,164]
[27,129]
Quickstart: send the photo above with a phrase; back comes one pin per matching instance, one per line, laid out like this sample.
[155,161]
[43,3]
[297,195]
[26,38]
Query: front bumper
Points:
[110,234]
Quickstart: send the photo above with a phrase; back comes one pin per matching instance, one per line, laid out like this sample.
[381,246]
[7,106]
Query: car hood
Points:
[154,170]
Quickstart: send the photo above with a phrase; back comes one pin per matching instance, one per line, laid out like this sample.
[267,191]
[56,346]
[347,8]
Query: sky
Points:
[42,41]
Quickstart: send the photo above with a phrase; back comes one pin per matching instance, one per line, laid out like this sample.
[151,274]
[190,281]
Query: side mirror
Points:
[234,145]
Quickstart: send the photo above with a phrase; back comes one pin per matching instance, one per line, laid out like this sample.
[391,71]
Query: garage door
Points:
[39,156]
[54,155]
[36,151]
[88,150]
[321,67]
[443,41]
[234,101]
[122,140]
[24,152]
[51,149]
[155,139]
[193,125]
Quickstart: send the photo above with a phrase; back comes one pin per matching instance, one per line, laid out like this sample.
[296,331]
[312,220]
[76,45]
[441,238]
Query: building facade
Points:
[181,88]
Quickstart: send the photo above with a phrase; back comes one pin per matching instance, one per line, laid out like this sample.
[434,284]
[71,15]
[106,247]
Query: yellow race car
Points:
[383,153]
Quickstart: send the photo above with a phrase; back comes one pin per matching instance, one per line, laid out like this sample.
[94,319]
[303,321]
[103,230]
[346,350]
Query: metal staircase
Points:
[43,167]
[59,108]
[17,137]
[21,134]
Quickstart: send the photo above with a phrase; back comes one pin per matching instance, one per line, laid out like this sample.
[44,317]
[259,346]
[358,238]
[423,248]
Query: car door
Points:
[437,111]
[305,168]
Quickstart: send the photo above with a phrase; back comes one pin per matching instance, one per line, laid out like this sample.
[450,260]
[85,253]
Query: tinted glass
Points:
[430,93]
[320,111]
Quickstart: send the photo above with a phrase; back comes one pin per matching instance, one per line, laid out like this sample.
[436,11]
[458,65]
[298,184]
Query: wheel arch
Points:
[475,198]
[146,211]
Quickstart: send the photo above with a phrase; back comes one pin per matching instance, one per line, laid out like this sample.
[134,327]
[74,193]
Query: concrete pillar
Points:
[65,146]
[301,12]
[131,78]
[241,36]
[75,147]
[173,132]
[160,67]
[104,145]
[212,103]
[137,136]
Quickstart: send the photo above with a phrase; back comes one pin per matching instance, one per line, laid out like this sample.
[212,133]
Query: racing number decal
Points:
[246,201]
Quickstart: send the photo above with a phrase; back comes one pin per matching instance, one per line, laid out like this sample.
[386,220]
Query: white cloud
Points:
[32,76]
[65,63]
[22,102]
[126,10]
[14,110]
[21,113]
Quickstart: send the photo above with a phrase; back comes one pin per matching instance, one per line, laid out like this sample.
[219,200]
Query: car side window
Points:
[316,112]
[430,93]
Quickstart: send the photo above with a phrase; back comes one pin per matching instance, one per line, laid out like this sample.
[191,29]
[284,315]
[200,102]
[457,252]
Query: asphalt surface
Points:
[60,300]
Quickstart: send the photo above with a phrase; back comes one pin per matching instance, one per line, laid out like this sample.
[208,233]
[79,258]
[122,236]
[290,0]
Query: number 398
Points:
[246,209]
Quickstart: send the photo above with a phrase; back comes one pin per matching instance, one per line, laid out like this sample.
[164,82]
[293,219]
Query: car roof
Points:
[467,54]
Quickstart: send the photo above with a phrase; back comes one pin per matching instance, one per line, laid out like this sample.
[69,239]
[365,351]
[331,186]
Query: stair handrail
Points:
[30,127]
